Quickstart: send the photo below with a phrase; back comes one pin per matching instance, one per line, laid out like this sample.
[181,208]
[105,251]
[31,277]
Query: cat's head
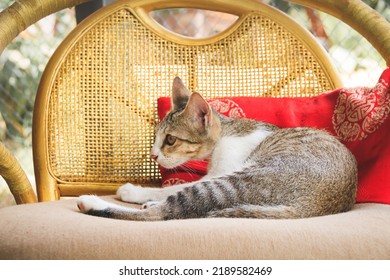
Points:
[189,131]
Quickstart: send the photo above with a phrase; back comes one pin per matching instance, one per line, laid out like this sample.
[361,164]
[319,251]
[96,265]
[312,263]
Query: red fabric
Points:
[358,117]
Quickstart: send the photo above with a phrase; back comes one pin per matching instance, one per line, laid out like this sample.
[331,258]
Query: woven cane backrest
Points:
[96,106]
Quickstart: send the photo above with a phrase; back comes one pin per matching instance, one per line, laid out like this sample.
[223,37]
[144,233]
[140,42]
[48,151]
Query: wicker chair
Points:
[96,108]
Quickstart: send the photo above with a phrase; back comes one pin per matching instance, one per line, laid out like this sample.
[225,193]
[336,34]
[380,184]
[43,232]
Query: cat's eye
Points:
[170,140]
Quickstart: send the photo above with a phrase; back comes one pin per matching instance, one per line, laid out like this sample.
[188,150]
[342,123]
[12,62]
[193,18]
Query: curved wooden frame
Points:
[368,22]
[15,177]
[23,13]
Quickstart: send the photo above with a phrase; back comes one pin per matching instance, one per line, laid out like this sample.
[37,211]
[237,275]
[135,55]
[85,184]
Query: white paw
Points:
[91,202]
[131,193]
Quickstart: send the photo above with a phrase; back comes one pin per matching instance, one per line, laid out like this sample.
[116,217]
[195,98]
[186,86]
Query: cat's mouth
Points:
[170,163]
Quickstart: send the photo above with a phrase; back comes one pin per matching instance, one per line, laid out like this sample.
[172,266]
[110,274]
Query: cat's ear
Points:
[199,111]
[180,95]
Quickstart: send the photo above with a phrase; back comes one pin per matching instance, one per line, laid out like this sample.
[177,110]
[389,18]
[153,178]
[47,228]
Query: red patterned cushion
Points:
[359,117]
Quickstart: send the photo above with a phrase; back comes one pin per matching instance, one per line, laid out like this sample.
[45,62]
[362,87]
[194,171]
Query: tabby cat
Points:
[256,169]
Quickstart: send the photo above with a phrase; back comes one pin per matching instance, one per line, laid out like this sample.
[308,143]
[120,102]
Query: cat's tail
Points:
[257,212]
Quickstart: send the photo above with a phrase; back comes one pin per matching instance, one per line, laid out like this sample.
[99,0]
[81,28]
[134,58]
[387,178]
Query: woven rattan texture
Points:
[102,108]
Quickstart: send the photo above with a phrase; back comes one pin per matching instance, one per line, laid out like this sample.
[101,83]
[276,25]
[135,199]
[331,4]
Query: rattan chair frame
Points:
[24,13]
[50,184]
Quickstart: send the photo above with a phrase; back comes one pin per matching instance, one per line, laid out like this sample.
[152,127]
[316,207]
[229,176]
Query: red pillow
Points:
[359,117]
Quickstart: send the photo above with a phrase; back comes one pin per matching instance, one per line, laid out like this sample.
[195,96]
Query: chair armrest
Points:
[22,13]
[365,20]
[15,177]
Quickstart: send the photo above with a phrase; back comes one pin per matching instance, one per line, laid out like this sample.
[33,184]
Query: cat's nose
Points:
[153,156]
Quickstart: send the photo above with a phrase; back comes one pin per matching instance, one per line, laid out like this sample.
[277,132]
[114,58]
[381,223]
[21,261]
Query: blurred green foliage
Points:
[21,66]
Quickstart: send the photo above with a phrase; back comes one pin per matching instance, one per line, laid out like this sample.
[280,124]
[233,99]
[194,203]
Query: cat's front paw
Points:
[133,194]
[87,203]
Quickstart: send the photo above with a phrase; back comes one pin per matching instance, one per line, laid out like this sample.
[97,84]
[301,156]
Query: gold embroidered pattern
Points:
[360,111]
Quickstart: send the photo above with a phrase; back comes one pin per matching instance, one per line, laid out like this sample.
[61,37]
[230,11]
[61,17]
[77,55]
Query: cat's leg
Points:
[142,195]
[195,201]
[150,204]
[88,202]
[95,206]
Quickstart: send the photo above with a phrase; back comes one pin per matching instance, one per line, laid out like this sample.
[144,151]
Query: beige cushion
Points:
[57,230]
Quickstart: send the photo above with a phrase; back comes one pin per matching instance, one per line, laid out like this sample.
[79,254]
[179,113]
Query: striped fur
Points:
[256,169]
